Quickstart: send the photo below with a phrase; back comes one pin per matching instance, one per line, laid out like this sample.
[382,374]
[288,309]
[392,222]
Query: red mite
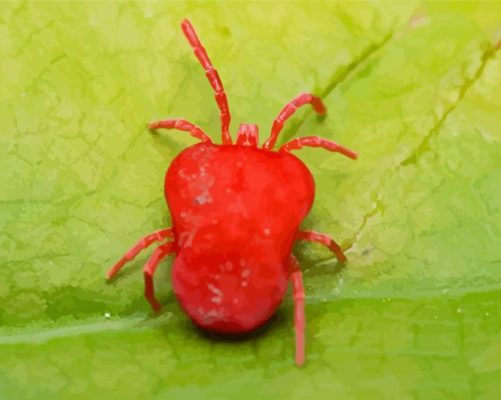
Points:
[236,211]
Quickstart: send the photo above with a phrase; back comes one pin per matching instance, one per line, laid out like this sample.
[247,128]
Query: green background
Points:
[414,87]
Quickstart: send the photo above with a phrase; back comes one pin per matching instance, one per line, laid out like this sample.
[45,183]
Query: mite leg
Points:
[181,125]
[212,76]
[149,270]
[289,109]
[322,238]
[299,318]
[139,246]
[315,141]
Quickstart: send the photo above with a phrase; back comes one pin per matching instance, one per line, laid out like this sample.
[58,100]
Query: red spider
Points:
[236,211]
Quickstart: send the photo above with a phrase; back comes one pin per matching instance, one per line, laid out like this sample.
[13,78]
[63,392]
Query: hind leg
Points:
[149,271]
[324,239]
[296,277]
[139,246]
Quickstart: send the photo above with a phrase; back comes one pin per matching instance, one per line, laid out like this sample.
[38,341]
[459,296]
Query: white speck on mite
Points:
[218,295]
[186,238]
[266,231]
[204,198]
[212,315]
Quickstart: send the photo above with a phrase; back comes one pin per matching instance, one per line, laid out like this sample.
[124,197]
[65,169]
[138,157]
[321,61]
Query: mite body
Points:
[234,234]
[236,211]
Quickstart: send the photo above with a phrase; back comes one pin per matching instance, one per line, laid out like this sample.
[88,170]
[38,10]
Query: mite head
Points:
[248,135]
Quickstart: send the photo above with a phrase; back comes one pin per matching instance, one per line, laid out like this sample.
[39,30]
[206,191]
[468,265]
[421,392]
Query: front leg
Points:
[324,239]
[316,141]
[181,125]
[287,112]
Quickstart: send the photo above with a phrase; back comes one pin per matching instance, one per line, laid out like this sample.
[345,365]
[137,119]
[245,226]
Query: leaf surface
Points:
[414,88]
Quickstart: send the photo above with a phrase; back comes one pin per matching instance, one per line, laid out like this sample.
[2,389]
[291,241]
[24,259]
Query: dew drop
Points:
[107,315]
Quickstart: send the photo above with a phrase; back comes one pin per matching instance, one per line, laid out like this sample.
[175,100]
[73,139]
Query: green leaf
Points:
[415,88]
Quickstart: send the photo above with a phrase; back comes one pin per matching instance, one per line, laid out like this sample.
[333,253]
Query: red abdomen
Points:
[232,294]
[235,212]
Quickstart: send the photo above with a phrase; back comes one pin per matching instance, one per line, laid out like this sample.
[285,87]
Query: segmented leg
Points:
[315,141]
[324,239]
[299,318]
[140,245]
[289,109]
[182,125]
[149,270]
[212,76]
